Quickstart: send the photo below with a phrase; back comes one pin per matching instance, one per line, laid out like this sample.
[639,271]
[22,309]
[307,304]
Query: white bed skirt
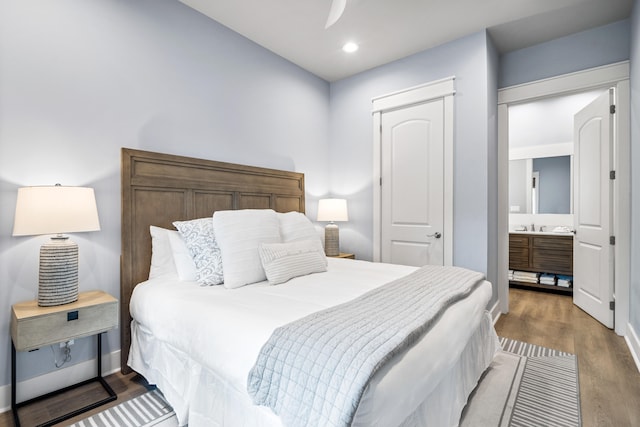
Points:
[201,397]
[443,407]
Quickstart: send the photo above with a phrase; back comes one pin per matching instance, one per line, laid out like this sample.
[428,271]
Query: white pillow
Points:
[200,240]
[295,226]
[161,257]
[284,261]
[185,266]
[239,233]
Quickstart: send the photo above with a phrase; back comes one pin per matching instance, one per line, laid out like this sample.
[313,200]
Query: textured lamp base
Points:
[58,283]
[331,240]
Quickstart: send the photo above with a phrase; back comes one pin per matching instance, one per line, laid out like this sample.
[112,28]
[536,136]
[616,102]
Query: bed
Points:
[200,344]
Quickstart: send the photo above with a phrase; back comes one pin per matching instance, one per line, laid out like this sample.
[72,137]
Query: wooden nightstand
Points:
[33,327]
[344,255]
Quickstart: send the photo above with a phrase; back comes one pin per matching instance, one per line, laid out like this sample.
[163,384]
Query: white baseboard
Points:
[495,312]
[633,342]
[61,378]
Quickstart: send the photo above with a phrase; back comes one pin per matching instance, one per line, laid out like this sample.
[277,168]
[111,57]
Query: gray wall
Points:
[351,139]
[634,303]
[555,184]
[80,79]
[580,51]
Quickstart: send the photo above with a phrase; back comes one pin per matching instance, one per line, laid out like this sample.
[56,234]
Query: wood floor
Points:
[609,379]
[125,386]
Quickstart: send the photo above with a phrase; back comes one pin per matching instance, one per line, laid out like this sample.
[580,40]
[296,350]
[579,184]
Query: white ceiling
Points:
[546,121]
[388,30]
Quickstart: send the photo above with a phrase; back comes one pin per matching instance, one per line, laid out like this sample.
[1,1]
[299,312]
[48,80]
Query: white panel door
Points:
[592,254]
[412,193]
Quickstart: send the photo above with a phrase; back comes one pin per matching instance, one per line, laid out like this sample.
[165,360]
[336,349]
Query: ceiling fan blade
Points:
[337,7]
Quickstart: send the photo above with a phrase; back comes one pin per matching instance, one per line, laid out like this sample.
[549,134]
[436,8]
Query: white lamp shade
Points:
[332,210]
[55,210]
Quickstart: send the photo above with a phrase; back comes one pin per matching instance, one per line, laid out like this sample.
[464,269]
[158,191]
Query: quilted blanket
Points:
[313,372]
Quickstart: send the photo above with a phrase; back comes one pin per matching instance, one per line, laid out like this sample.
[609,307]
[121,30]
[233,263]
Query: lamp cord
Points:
[66,350]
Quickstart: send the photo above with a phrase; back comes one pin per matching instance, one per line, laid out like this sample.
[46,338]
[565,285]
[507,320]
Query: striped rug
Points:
[548,394]
[149,409]
[543,393]
[530,350]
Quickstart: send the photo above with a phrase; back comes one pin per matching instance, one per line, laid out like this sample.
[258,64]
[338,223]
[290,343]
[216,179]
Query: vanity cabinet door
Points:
[553,254]
[518,252]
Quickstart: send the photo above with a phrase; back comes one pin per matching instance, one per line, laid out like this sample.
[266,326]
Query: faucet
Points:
[541,228]
[533,227]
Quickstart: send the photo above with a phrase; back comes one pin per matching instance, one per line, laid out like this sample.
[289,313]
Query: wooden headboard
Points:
[158,189]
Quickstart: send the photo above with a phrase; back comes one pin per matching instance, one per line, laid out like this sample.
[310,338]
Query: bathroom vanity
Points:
[541,252]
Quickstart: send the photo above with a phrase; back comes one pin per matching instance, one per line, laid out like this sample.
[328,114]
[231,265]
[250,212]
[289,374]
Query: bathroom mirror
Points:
[540,185]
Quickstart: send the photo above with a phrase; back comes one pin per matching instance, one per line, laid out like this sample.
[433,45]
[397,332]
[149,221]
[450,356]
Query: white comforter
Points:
[223,331]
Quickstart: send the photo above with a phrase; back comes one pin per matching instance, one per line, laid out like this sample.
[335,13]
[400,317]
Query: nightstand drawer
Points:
[33,327]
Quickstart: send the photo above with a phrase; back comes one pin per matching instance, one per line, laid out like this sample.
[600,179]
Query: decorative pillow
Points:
[199,238]
[239,233]
[161,257]
[284,261]
[295,226]
[185,266]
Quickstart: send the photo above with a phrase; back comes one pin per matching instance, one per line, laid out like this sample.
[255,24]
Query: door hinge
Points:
[612,240]
[612,305]
[612,174]
[380,181]
[612,109]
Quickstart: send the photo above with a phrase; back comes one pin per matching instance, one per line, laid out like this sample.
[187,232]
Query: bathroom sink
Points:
[543,233]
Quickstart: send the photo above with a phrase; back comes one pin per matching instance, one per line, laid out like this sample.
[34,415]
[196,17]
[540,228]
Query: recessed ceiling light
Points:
[350,47]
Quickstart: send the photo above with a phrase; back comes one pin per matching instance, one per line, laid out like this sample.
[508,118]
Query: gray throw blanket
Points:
[313,371]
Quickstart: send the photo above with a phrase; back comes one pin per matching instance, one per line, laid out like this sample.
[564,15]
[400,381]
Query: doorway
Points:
[601,78]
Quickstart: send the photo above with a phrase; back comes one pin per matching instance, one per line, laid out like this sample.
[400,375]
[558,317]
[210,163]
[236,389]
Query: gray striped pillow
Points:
[284,261]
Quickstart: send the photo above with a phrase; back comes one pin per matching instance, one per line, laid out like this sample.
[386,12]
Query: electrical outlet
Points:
[64,344]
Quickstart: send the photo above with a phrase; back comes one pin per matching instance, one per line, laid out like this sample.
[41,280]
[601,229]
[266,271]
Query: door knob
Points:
[437,235]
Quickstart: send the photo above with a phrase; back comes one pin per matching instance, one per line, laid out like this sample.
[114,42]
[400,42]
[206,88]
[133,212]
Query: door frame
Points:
[613,75]
[440,89]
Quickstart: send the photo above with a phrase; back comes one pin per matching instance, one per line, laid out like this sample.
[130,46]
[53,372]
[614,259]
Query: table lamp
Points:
[332,210]
[56,210]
